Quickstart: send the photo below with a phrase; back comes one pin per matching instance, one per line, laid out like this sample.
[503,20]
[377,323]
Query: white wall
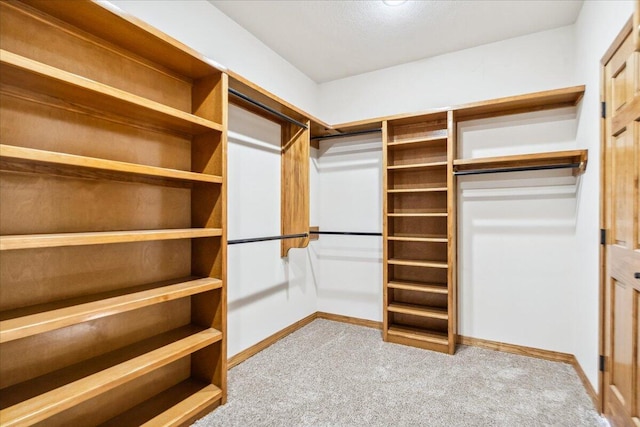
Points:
[517,234]
[203,27]
[597,26]
[524,64]
[266,293]
[349,268]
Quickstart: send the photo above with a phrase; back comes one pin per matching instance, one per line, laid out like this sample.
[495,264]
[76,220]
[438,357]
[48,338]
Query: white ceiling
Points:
[328,40]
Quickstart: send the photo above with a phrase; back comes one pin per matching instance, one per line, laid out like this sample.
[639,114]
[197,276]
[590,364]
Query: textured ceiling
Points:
[328,40]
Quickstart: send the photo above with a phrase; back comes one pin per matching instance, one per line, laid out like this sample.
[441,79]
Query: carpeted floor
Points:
[336,374]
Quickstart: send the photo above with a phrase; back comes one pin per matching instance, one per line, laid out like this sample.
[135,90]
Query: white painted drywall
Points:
[203,27]
[524,64]
[517,234]
[597,26]
[266,293]
[349,272]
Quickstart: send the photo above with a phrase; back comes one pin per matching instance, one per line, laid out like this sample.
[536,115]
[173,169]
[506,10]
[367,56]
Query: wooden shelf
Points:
[418,334]
[415,263]
[418,214]
[22,159]
[407,143]
[432,288]
[576,159]
[54,316]
[30,241]
[418,310]
[417,190]
[39,78]
[417,166]
[130,33]
[175,406]
[546,100]
[58,399]
[418,238]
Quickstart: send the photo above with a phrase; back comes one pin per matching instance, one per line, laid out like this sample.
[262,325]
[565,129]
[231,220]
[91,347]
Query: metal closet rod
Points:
[346,233]
[517,169]
[264,239]
[267,108]
[346,134]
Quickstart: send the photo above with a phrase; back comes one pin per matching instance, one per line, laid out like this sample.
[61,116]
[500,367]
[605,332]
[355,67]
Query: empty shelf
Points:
[418,238]
[43,321]
[550,99]
[31,160]
[418,310]
[419,334]
[58,399]
[417,263]
[40,78]
[172,407]
[417,214]
[30,241]
[417,166]
[415,141]
[576,159]
[417,190]
[434,288]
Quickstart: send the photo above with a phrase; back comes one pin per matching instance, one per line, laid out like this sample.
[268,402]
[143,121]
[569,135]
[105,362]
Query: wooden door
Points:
[621,209]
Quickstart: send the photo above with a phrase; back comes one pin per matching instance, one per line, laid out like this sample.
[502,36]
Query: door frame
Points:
[632,22]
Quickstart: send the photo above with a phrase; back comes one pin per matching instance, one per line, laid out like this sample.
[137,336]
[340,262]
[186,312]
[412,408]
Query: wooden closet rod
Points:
[346,134]
[517,169]
[346,233]
[267,108]
[264,239]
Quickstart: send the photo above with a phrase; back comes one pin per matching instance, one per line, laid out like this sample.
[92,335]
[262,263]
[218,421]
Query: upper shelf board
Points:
[38,78]
[113,25]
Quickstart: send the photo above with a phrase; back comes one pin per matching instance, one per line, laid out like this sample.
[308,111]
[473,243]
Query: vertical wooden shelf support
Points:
[295,185]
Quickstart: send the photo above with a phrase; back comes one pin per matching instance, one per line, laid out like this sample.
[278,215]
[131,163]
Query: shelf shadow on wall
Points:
[257,296]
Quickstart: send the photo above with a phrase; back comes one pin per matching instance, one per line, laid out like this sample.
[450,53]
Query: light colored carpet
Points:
[336,374]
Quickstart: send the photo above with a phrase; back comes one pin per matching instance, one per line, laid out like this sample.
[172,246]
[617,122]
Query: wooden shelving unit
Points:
[573,159]
[417,233]
[113,233]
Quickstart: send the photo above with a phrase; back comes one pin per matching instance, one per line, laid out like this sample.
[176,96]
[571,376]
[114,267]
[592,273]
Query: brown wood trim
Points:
[553,356]
[351,320]
[585,382]
[267,342]
[617,42]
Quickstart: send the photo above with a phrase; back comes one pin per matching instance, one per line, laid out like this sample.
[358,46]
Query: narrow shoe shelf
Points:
[31,241]
[416,263]
[418,334]
[433,288]
[417,214]
[407,143]
[173,407]
[22,159]
[48,317]
[68,391]
[39,78]
[417,190]
[417,166]
[418,310]
[433,238]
